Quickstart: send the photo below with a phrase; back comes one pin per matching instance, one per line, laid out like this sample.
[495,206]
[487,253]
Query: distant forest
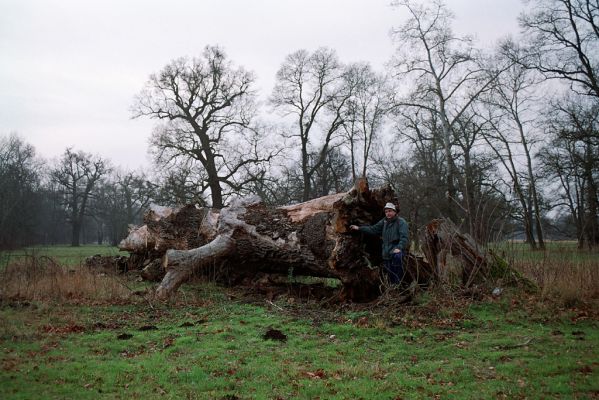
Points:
[505,142]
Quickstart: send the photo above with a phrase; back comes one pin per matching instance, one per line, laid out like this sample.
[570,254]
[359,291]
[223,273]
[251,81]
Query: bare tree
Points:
[477,169]
[573,158]
[137,193]
[53,225]
[418,176]
[77,174]
[425,166]
[565,181]
[209,109]
[563,37]
[312,89]
[443,72]
[119,202]
[181,184]
[364,113]
[512,110]
[333,175]
[19,197]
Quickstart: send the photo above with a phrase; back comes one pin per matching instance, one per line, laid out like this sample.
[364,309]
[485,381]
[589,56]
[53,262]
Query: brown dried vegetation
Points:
[43,279]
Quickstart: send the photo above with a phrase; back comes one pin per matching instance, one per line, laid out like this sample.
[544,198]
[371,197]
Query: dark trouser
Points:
[394,269]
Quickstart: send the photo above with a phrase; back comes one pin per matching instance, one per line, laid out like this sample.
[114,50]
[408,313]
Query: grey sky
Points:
[69,68]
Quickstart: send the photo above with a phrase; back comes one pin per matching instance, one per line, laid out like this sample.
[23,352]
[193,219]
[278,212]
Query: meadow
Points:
[67,332]
[61,254]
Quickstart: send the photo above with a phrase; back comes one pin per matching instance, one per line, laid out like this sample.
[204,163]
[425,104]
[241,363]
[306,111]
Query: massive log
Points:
[248,238]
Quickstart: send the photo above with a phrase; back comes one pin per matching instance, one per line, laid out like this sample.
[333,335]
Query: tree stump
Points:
[442,236]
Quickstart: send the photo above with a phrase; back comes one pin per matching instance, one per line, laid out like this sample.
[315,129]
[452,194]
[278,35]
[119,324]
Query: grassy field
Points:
[216,343]
[560,251]
[64,255]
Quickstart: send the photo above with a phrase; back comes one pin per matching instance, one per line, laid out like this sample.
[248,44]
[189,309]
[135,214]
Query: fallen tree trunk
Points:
[247,238]
[441,237]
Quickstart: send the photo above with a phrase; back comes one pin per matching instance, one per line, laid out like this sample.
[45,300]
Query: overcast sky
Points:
[69,69]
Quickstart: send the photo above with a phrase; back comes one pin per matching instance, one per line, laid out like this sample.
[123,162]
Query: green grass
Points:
[214,349]
[64,255]
[209,343]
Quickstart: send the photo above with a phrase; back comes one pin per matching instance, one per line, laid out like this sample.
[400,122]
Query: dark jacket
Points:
[394,233]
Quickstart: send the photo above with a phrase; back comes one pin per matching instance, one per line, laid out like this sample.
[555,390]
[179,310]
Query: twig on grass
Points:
[274,305]
[134,292]
[515,346]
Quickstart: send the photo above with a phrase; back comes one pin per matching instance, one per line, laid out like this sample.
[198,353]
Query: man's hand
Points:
[396,251]
[354,227]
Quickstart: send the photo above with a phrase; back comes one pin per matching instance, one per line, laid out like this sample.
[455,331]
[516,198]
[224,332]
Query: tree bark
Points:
[442,237]
[76,233]
[248,238]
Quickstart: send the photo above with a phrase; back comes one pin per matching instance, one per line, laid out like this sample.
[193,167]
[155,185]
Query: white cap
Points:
[390,206]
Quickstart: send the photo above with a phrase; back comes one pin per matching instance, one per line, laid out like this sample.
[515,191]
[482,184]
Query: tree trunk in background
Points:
[76,233]
[592,223]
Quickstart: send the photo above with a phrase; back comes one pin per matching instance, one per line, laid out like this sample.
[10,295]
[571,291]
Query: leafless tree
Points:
[312,89]
[333,175]
[77,174]
[53,224]
[19,197]
[365,113]
[281,188]
[119,202]
[512,110]
[572,159]
[181,184]
[442,71]
[420,129]
[417,176]
[478,179]
[208,106]
[563,39]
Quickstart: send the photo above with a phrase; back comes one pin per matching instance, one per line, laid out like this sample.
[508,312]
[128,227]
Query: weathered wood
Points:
[442,236]
[247,238]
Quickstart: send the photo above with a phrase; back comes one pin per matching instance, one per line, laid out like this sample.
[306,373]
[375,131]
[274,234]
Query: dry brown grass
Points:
[42,279]
[563,273]
[570,281]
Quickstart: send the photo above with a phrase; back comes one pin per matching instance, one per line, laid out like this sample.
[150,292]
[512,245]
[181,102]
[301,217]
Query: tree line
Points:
[502,142]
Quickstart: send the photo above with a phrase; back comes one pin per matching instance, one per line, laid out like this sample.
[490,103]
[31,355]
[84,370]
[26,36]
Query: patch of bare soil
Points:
[274,334]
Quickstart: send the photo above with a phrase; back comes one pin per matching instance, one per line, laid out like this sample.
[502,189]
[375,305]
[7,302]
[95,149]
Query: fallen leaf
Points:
[168,342]
[585,369]
[318,374]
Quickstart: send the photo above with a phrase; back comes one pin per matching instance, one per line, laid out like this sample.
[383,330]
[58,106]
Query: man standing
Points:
[394,231]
